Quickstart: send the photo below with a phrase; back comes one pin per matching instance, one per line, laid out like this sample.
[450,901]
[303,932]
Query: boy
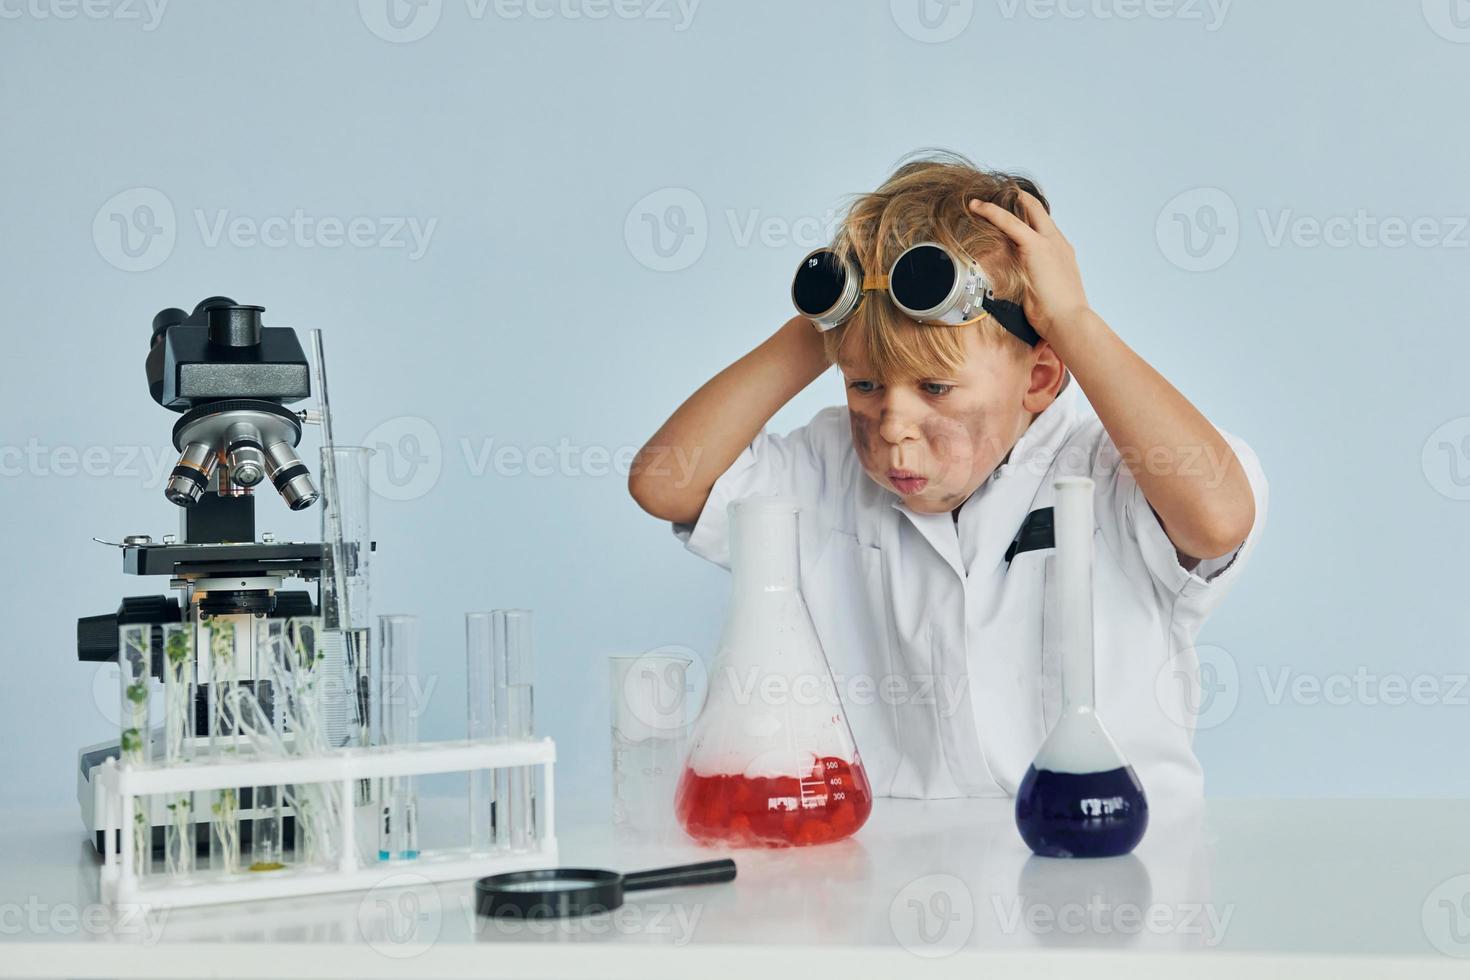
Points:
[924,544]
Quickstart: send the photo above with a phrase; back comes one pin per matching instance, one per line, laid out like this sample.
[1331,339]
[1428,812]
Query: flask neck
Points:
[763,549]
[1074,557]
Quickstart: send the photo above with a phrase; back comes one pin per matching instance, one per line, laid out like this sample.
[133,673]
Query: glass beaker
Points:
[650,730]
[772,760]
[1080,798]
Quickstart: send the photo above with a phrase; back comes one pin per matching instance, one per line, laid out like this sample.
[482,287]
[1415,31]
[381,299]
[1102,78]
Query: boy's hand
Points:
[1056,294]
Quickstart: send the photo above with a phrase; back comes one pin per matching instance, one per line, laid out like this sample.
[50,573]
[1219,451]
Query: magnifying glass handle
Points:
[706,873]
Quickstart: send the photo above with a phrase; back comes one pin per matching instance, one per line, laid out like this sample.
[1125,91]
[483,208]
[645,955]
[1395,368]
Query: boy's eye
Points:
[936,388]
[863,387]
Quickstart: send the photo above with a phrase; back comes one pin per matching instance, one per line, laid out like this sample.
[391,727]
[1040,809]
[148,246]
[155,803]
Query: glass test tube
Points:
[135,661]
[179,692]
[267,842]
[395,711]
[229,645]
[313,805]
[480,712]
[515,823]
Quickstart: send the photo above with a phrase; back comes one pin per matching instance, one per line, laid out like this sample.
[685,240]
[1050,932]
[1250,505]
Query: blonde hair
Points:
[927,199]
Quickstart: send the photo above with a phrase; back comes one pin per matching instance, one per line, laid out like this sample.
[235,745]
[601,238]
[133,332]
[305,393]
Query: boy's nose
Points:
[898,422]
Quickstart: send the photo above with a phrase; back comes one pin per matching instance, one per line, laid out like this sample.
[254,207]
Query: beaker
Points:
[650,730]
[1080,798]
[772,760]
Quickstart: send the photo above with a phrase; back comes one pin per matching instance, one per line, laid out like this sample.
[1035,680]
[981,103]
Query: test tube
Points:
[267,843]
[315,806]
[480,713]
[226,636]
[515,827]
[396,714]
[135,662]
[179,692]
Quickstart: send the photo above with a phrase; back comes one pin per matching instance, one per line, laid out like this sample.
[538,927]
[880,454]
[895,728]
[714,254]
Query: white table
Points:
[1259,888]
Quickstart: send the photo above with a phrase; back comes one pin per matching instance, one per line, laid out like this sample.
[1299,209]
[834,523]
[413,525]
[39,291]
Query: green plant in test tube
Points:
[178,738]
[135,661]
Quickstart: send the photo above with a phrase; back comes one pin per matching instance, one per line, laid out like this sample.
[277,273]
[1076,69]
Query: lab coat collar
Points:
[994,512]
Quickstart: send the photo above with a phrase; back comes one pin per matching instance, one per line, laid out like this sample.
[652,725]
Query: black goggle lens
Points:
[922,277]
[819,283]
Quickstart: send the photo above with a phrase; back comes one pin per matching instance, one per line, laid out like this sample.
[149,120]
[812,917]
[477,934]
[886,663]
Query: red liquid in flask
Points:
[832,802]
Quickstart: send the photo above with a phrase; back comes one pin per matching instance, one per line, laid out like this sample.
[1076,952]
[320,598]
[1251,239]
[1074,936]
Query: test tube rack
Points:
[122,784]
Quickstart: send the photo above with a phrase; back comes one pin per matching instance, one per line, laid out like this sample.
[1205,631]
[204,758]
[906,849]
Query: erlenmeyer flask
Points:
[771,761]
[1080,798]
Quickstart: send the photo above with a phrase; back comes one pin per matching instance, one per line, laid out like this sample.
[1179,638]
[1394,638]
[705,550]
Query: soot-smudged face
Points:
[933,441]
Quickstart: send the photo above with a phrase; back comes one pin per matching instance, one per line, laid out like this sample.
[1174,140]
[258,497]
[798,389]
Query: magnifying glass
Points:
[558,892]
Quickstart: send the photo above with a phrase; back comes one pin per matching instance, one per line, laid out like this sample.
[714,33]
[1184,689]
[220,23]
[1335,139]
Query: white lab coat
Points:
[944,653]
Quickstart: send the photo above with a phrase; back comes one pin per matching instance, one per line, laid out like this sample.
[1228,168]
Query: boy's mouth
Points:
[907,482]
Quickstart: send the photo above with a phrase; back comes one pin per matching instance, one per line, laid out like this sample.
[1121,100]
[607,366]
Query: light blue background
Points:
[534,315]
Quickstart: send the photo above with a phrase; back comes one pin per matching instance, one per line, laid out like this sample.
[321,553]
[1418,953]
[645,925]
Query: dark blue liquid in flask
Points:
[1080,798]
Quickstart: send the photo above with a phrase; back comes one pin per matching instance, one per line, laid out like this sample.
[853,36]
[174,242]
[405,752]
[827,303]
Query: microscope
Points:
[230,379]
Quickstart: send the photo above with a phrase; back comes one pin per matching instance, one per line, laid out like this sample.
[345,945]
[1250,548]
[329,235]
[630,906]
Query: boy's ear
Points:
[1047,374]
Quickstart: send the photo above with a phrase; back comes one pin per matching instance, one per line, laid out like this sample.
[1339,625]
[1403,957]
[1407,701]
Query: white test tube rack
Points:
[122,784]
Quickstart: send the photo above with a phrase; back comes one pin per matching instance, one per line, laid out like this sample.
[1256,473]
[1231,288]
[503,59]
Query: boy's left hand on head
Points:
[1055,295]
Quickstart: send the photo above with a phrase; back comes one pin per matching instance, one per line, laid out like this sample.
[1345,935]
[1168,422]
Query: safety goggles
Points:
[928,283]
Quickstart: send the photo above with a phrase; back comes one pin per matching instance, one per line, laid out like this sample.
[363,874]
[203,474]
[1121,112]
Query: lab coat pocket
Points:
[849,607]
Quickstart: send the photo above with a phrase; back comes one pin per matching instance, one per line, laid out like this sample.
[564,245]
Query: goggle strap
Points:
[875,282]
[1013,318]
